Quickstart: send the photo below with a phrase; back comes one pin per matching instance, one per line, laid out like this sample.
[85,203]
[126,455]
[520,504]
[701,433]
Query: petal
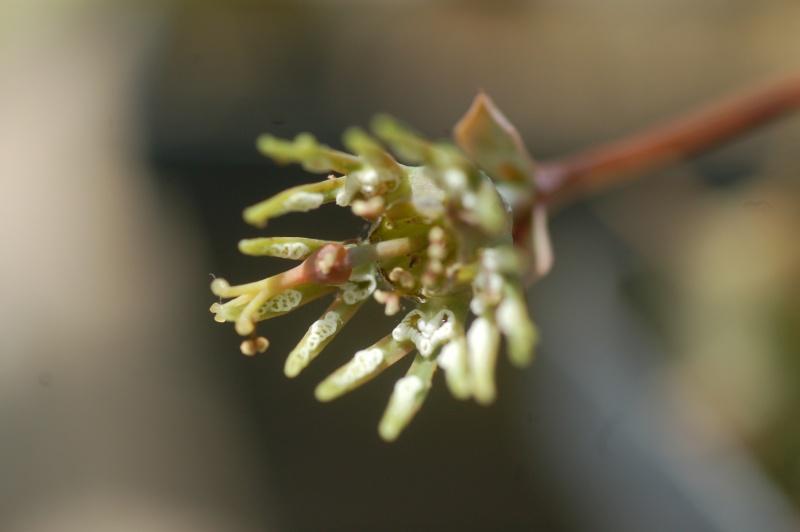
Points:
[365,365]
[483,340]
[302,198]
[305,149]
[453,360]
[514,322]
[487,136]
[407,398]
[351,297]
[274,307]
[359,142]
[294,248]
[319,335]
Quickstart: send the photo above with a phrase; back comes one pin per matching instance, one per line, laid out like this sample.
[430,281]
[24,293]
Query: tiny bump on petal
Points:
[303,201]
[220,287]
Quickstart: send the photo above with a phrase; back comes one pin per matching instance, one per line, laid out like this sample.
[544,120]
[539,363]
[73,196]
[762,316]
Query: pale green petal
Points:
[409,145]
[305,149]
[320,334]
[365,365]
[279,305]
[291,247]
[519,331]
[483,341]
[407,398]
[301,198]
[360,143]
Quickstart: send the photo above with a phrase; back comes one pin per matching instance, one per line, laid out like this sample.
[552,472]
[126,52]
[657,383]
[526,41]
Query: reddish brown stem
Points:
[565,179]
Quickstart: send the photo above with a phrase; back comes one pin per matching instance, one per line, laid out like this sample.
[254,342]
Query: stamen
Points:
[402,277]
[245,324]
[390,300]
[223,312]
[254,345]
[220,287]
[402,407]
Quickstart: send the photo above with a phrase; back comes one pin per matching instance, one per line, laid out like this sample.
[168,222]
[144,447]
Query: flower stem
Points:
[563,180]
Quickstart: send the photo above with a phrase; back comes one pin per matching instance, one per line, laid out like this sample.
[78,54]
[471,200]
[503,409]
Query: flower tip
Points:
[403,405]
[483,340]
[263,142]
[292,368]
[254,216]
[220,287]
[216,308]
[356,140]
[295,363]
[244,327]
[485,395]
[327,391]
[383,123]
[389,431]
[273,147]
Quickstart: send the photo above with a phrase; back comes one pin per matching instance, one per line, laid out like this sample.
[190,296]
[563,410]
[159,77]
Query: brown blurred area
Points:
[665,396]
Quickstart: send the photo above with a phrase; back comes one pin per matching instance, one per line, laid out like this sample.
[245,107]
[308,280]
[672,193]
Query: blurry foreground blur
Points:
[667,391]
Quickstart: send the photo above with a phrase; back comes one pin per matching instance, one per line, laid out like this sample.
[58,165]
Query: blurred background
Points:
[666,393]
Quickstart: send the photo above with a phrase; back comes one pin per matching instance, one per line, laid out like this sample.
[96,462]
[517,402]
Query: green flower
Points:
[440,237]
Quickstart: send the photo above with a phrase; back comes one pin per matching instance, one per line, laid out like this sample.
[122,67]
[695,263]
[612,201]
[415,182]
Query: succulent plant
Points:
[441,236]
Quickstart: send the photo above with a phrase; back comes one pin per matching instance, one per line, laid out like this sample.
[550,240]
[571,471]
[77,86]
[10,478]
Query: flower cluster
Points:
[440,237]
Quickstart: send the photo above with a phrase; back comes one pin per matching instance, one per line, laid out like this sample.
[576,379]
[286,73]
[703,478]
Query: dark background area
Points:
[130,154]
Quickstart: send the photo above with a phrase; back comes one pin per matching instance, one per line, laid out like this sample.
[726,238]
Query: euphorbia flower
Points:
[440,237]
